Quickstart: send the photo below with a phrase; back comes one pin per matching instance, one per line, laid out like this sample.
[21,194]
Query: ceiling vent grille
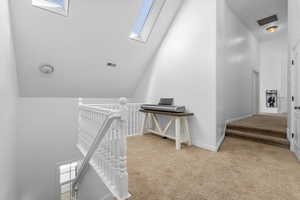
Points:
[267,20]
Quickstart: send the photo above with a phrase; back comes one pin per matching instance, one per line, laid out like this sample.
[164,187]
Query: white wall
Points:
[237,57]
[8,96]
[79,47]
[185,68]
[273,70]
[47,135]
[294,23]
[92,188]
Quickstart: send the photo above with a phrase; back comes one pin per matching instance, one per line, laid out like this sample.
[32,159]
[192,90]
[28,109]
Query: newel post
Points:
[124,108]
[80,101]
[123,174]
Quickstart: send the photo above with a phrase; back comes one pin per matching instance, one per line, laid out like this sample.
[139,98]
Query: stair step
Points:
[259,137]
[257,130]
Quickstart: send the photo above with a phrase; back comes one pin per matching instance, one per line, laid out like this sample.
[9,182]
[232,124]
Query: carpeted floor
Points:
[242,170]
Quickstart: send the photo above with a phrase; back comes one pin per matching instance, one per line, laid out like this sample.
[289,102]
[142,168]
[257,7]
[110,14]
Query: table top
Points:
[185,114]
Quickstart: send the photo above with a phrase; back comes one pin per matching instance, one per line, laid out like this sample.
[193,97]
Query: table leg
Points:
[144,124]
[187,129]
[178,132]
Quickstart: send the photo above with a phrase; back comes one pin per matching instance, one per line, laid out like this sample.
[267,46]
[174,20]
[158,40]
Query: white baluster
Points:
[132,120]
[106,157]
[141,117]
[114,158]
[79,116]
[136,119]
[139,121]
[118,155]
[102,159]
[110,156]
[136,122]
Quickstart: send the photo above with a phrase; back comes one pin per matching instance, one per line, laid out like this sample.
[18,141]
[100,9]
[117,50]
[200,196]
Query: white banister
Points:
[102,140]
[135,117]
[101,134]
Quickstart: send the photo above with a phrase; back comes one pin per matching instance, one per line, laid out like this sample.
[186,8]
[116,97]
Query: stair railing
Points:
[135,118]
[102,140]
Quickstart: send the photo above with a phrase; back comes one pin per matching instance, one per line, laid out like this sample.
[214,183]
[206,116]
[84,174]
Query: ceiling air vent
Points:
[267,20]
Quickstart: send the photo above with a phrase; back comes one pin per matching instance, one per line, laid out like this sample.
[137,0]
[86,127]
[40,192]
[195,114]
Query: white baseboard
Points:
[297,151]
[220,142]
[238,118]
[206,146]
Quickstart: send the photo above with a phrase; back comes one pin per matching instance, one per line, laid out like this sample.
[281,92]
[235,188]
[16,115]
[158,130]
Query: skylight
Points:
[57,6]
[146,19]
[142,18]
[59,3]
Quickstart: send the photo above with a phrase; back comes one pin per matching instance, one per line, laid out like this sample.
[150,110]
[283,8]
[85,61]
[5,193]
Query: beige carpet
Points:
[242,170]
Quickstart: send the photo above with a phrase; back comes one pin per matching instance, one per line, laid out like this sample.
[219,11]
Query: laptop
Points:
[164,105]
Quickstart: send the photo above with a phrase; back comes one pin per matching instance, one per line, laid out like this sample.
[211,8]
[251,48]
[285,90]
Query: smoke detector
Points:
[46,69]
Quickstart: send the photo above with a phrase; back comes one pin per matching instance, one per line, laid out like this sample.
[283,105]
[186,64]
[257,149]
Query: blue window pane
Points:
[147,5]
[60,3]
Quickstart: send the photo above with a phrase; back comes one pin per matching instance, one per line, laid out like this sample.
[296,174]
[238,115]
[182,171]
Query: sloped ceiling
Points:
[249,11]
[79,47]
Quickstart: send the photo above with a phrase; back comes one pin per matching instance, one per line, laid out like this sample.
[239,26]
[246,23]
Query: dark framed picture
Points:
[271,98]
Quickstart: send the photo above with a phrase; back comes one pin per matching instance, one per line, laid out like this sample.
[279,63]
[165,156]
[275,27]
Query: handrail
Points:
[100,135]
[106,151]
[94,108]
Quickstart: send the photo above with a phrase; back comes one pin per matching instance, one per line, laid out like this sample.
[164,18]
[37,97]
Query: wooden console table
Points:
[178,118]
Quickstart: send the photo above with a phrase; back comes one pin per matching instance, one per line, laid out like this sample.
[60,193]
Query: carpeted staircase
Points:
[269,129]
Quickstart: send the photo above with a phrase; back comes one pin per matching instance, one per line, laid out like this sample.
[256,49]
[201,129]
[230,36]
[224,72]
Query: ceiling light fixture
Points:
[272,29]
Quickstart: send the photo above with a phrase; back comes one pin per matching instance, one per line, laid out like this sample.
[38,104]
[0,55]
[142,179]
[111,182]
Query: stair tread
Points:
[232,125]
[258,136]
[267,123]
[258,132]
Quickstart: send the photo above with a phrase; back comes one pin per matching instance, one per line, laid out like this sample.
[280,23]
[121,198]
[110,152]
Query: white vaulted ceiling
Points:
[249,11]
[79,47]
